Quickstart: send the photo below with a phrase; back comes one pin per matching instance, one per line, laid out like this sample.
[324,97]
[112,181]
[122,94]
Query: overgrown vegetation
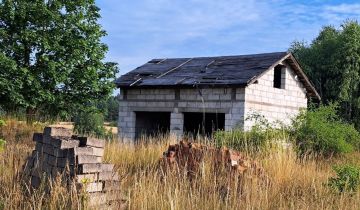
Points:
[253,140]
[261,137]
[294,183]
[347,178]
[319,130]
[322,131]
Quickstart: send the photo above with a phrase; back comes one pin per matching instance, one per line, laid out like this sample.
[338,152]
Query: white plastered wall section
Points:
[276,105]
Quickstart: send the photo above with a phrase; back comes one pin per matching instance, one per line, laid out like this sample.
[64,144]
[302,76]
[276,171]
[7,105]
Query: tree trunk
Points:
[30,115]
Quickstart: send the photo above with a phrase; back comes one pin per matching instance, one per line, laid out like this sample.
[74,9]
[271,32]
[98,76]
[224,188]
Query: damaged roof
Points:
[239,70]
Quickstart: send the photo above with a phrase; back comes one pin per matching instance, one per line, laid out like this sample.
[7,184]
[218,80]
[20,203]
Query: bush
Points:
[347,178]
[259,138]
[251,141]
[90,123]
[321,131]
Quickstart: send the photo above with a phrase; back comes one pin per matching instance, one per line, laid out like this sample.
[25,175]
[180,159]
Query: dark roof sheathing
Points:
[238,70]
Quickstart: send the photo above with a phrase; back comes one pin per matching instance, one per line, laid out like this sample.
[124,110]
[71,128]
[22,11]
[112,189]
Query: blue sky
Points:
[141,30]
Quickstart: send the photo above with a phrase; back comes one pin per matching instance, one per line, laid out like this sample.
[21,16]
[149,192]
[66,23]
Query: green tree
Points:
[90,122]
[110,108]
[51,56]
[332,61]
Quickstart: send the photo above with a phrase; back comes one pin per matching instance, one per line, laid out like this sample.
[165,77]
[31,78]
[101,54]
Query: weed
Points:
[347,178]
[294,183]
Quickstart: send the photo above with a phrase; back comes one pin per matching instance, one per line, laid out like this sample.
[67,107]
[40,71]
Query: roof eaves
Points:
[303,75]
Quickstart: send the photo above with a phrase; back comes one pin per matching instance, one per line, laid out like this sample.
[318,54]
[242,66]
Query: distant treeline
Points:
[332,62]
[110,108]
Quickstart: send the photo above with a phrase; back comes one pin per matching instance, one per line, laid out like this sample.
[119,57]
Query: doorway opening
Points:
[204,124]
[150,124]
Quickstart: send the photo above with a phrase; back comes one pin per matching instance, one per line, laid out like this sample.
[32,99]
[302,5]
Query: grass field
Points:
[292,183]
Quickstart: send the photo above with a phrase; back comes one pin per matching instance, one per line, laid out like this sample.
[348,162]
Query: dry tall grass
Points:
[294,184]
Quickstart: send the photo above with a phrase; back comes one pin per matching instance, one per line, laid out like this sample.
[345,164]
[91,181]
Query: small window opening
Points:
[279,77]
[124,92]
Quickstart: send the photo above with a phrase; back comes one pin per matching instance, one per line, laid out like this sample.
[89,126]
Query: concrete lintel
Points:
[208,110]
[151,109]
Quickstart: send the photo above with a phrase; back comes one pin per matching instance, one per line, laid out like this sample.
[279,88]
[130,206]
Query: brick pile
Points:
[77,160]
[188,156]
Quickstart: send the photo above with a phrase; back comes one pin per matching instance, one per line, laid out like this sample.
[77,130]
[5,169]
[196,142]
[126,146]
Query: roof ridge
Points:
[221,56]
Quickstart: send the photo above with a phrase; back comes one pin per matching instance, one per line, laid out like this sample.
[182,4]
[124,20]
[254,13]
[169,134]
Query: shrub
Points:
[258,138]
[321,131]
[252,141]
[347,178]
[90,123]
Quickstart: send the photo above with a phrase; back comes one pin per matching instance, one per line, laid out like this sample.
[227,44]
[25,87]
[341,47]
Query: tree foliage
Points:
[51,55]
[90,122]
[320,130]
[332,61]
[110,108]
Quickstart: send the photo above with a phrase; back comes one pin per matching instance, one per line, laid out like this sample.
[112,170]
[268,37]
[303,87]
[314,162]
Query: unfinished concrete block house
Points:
[200,95]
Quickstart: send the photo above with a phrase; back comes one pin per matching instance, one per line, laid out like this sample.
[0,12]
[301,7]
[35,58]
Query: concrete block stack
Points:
[77,160]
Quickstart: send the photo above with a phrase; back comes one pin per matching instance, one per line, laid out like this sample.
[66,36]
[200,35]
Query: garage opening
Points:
[151,124]
[204,124]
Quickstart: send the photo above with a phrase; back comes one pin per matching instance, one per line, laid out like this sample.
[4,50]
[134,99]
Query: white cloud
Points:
[338,13]
[140,30]
[344,9]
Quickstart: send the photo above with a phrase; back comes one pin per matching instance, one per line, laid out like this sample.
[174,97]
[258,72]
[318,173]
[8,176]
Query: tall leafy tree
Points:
[51,55]
[332,61]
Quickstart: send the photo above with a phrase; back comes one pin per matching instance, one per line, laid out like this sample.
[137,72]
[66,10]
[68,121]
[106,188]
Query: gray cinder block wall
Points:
[276,104]
[211,100]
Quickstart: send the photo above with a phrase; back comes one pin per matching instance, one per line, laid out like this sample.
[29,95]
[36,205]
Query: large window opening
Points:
[149,124]
[203,124]
[279,77]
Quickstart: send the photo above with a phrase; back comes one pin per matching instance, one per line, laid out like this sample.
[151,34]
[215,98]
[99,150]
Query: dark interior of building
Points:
[197,123]
[151,123]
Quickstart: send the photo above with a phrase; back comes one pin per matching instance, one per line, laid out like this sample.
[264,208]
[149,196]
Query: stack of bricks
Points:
[77,160]
[189,156]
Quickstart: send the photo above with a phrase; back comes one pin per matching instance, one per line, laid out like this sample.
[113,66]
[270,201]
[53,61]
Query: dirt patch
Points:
[70,125]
